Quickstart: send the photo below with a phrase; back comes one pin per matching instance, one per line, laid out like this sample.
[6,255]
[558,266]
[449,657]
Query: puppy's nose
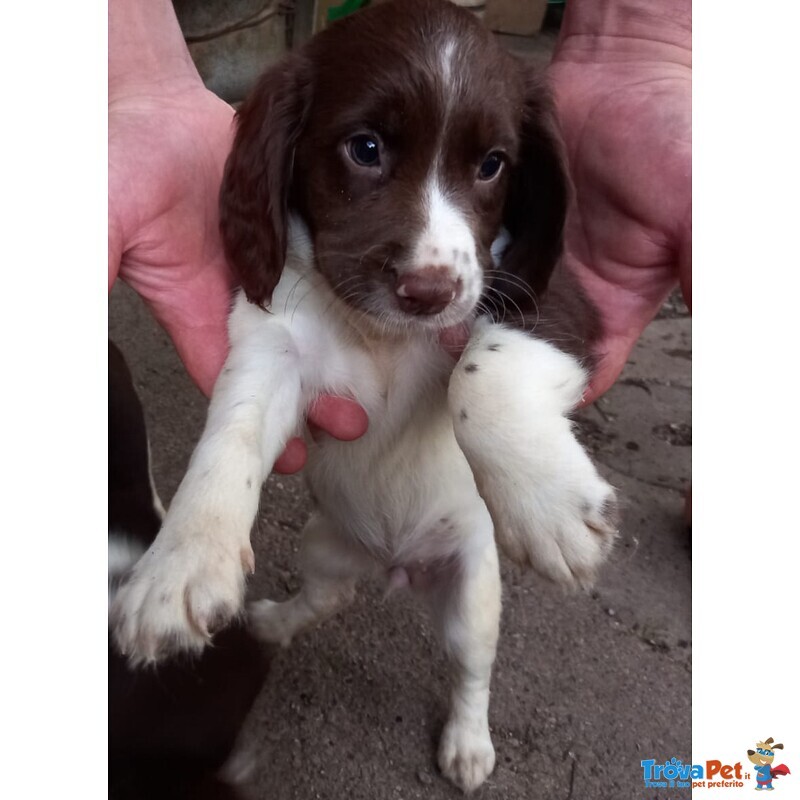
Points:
[427,291]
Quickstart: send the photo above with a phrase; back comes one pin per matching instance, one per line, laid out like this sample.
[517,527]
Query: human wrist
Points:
[146,47]
[620,30]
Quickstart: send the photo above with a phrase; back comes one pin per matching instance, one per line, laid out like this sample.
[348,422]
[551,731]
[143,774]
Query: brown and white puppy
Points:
[398,178]
[386,133]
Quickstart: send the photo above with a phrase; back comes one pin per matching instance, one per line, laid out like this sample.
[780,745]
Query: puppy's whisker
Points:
[514,280]
[291,292]
[510,300]
[519,283]
[495,310]
[502,311]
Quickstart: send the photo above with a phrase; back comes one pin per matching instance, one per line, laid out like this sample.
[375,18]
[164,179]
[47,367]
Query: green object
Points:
[348,7]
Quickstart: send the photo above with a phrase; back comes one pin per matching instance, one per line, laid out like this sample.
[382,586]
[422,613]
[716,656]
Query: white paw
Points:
[268,622]
[509,396]
[182,590]
[466,754]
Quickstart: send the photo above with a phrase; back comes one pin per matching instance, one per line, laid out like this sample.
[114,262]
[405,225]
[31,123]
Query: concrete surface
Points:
[233,41]
[585,686]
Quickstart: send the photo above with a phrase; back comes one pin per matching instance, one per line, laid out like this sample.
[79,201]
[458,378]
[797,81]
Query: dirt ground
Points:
[585,685]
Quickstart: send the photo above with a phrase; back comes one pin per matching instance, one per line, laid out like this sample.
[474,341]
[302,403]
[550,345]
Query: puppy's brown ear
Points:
[536,206]
[258,176]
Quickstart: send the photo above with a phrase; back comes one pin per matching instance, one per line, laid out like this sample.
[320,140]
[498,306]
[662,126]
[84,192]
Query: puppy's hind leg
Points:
[331,566]
[466,608]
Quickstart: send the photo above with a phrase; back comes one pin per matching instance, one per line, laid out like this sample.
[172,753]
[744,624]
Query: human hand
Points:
[167,148]
[622,83]
[169,138]
[166,154]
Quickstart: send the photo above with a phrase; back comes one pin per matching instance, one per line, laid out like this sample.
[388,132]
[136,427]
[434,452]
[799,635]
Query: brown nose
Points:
[427,291]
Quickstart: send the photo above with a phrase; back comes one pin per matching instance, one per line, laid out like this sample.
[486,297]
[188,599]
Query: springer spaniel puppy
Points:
[397,177]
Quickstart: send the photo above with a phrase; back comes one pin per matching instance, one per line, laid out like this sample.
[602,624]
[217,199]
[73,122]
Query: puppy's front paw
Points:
[180,593]
[509,396]
[466,753]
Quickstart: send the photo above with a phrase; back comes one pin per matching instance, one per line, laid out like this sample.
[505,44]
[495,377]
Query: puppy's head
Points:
[405,138]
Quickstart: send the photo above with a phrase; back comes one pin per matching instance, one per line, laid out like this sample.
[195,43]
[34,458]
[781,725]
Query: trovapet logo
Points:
[717,774]
[674,774]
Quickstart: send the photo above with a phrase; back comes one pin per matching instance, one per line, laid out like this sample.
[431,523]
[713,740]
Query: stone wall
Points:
[233,41]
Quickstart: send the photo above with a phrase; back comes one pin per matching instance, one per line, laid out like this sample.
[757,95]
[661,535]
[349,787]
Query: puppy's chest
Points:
[396,483]
[403,388]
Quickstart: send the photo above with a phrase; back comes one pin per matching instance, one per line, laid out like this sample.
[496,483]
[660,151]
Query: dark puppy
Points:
[170,730]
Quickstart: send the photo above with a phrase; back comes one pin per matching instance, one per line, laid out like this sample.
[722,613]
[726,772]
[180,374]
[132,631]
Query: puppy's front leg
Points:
[191,580]
[510,396]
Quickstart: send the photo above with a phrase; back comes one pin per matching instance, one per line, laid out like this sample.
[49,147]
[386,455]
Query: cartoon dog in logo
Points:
[762,757]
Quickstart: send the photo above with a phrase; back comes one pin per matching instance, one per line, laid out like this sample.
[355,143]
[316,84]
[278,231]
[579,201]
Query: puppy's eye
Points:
[490,167]
[364,150]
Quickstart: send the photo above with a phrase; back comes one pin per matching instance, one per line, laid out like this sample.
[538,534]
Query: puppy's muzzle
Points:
[427,291]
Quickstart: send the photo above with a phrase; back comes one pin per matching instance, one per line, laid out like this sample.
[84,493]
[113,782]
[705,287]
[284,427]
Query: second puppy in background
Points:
[396,181]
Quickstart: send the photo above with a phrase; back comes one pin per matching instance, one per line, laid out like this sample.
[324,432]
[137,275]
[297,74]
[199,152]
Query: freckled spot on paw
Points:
[249,483]
[471,368]
[226,370]
[444,520]
[493,347]
[435,252]
[163,598]
[463,415]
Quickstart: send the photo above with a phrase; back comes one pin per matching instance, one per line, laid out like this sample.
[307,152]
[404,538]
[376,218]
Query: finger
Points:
[341,417]
[114,250]
[685,264]
[455,339]
[203,352]
[292,459]
[196,318]
[612,355]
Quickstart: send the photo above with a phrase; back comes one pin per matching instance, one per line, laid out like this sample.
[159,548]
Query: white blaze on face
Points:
[447,241]
[446,61]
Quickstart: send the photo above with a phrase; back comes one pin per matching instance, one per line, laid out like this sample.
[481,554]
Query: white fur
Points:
[448,242]
[548,502]
[446,53]
[402,500]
